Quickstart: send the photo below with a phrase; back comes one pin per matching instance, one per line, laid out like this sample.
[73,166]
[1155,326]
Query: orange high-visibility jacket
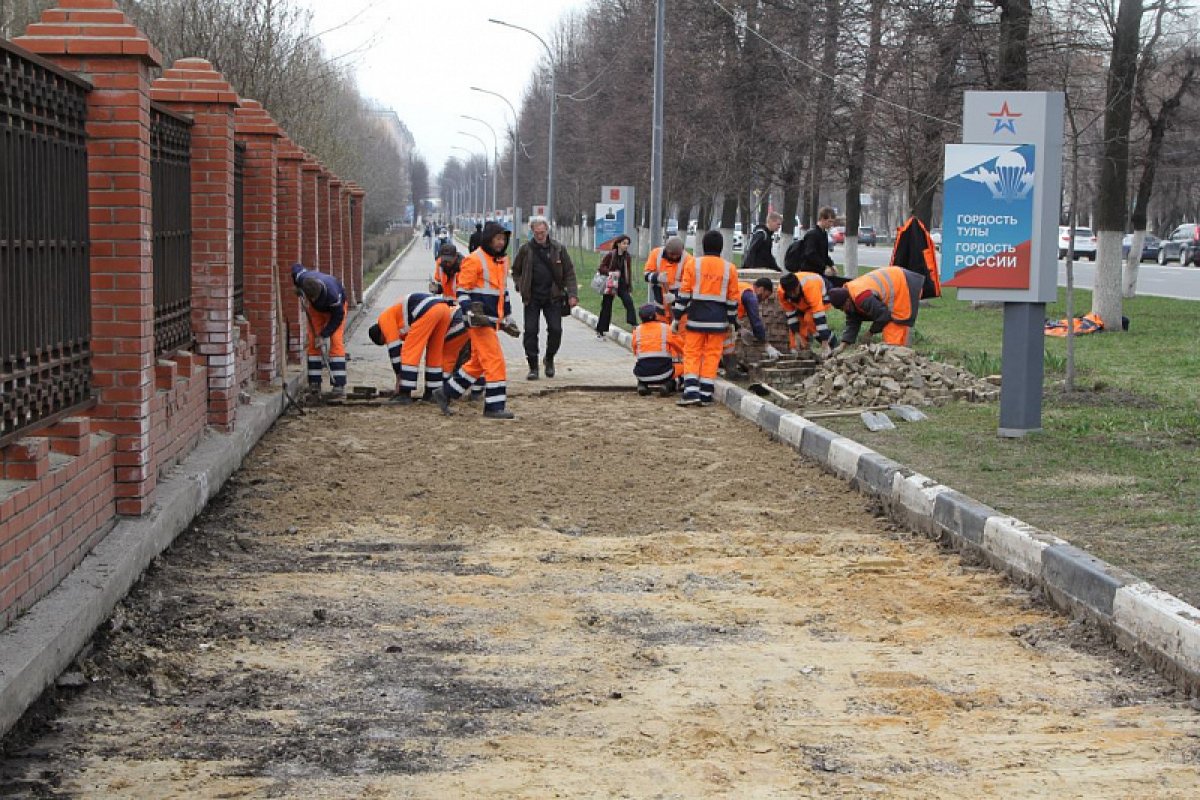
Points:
[810,308]
[663,273]
[708,294]
[886,296]
[655,340]
[484,279]
[447,282]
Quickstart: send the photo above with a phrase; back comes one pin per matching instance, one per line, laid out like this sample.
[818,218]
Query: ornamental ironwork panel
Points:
[239,230]
[171,196]
[45,288]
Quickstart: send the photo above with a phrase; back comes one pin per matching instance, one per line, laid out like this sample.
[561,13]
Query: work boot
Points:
[475,396]
[549,366]
[337,393]
[533,370]
[500,413]
[443,400]
[402,399]
[428,396]
[643,390]
[688,400]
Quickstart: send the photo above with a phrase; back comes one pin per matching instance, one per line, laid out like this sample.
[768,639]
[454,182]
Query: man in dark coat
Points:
[812,253]
[545,277]
[758,253]
[476,237]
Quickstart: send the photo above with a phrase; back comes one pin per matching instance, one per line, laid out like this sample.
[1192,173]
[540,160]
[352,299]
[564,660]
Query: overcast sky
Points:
[422,57]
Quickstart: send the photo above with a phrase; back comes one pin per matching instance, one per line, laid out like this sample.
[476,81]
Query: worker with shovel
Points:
[483,294]
[325,307]
[414,329]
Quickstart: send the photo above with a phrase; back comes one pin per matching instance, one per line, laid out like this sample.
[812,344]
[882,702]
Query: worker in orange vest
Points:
[889,297]
[483,294]
[445,271]
[663,270]
[659,353]
[750,327]
[802,298]
[414,328]
[708,295]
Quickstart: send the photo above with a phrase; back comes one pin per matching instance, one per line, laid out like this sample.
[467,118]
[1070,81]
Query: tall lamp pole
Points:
[495,157]
[516,144]
[468,179]
[482,144]
[553,114]
[656,138]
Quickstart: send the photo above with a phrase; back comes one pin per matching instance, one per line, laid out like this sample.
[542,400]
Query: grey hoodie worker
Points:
[545,277]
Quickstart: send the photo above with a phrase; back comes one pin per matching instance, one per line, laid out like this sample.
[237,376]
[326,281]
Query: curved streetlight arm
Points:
[516,237]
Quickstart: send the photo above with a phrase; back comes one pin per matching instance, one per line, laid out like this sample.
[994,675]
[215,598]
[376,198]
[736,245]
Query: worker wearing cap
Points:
[889,297]
[483,294]
[659,353]
[663,270]
[708,296]
[414,329]
[325,309]
[445,271]
[802,297]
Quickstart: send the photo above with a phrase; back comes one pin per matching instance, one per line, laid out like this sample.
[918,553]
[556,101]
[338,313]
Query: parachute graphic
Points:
[1011,180]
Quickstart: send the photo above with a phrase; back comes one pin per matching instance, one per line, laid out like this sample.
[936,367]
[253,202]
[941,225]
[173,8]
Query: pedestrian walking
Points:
[428,236]
[708,295]
[617,267]
[414,329]
[811,253]
[483,293]
[545,277]
[325,310]
[758,253]
[473,242]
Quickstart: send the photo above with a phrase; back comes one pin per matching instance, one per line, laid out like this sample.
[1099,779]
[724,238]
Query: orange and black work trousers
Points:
[701,357]
[487,362]
[317,320]
[425,338]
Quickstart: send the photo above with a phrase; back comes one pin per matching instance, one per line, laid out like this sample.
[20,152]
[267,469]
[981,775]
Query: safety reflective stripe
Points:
[883,287]
[662,351]
[723,296]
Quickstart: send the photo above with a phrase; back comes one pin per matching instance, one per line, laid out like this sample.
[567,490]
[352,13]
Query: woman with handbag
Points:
[616,267]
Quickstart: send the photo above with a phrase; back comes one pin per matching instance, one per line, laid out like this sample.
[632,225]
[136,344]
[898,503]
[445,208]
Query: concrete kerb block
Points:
[815,442]
[791,428]
[957,515]
[769,417]
[876,475]
[844,455]
[1016,547]
[750,407]
[1081,582]
[913,499]
[1160,625]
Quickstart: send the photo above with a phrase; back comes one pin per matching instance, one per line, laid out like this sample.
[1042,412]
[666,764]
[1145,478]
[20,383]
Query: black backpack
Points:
[793,259]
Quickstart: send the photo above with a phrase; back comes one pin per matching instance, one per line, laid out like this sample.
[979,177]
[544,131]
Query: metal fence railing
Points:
[45,288]
[239,230]
[171,190]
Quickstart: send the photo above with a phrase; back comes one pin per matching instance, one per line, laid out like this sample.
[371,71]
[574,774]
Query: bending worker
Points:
[483,294]
[445,271]
[325,311]
[663,270]
[414,328]
[802,298]
[889,297]
[708,295]
[659,353]
[747,342]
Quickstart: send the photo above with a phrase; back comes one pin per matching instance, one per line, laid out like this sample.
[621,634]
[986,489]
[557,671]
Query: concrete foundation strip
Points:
[1159,627]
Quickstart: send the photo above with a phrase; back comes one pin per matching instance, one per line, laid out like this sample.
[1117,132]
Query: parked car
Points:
[837,234]
[1151,246]
[672,227]
[936,235]
[1183,245]
[866,235]
[1085,243]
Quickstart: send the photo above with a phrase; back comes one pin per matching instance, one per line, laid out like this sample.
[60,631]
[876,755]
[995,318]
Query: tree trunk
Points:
[1015,16]
[728,218]
[1111,206]
[831,27]
[858,145]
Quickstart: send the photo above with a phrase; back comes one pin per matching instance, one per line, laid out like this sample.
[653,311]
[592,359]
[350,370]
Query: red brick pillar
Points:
[255,127]
[337,265]
[288,237]
[324,223]
[192,87]
[310,213]
[357,198]
[354,284]
[94,38]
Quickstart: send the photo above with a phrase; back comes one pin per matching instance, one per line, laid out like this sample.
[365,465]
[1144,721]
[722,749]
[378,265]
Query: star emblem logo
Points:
[1005,119]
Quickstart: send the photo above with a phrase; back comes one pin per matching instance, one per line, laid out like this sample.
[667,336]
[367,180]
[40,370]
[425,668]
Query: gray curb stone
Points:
[1158,626]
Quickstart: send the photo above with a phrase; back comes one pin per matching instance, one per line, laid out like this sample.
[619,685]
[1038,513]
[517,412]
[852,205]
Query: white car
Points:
[1085,243]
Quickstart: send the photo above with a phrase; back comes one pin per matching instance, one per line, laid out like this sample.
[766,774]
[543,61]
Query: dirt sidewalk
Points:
[593,603]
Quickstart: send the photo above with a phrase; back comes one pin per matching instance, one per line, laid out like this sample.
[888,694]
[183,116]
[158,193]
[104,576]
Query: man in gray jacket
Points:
[545,277]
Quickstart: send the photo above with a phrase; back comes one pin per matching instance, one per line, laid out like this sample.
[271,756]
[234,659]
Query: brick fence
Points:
[64,484]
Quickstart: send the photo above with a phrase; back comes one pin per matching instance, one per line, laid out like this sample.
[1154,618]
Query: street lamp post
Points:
[495,157]
[656,139]
[516,144]
[470,183]
[482,144]
[553,114]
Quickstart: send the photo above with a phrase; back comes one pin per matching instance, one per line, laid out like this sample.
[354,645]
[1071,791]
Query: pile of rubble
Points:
[879,375]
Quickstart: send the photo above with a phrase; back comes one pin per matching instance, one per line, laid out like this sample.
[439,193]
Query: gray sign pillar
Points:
[1024,118]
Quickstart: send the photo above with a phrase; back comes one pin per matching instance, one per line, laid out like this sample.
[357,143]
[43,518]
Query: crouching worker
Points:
[708,295]
[659,353]
[802,298]
[483,294]
[889,297]
[413,329]
[325,307]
